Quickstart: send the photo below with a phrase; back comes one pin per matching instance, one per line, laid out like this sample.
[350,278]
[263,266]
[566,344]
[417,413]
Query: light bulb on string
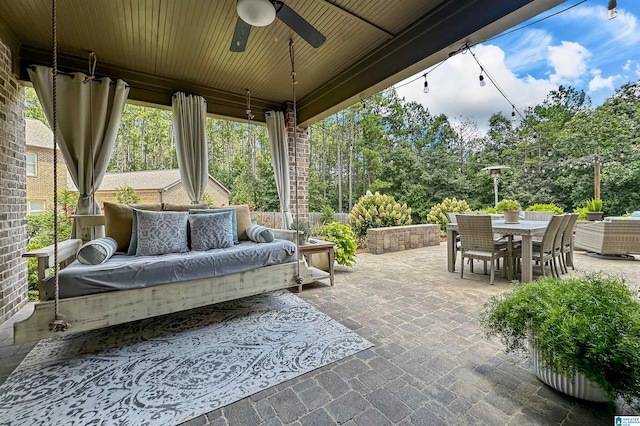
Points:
[481,78]
[513,113]
[426,85]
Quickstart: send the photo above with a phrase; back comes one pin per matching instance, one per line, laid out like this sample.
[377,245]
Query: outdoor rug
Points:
[167,370]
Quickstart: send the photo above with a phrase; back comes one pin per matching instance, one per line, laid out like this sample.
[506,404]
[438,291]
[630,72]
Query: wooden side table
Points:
[318,246]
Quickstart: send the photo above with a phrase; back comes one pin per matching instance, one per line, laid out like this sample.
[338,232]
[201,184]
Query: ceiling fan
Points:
[260,13]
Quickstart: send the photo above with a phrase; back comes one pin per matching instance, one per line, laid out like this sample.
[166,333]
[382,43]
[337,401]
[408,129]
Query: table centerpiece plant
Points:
[510,209]
[594,209]
[582,333]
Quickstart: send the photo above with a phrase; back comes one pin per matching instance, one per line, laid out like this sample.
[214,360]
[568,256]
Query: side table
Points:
[312,247]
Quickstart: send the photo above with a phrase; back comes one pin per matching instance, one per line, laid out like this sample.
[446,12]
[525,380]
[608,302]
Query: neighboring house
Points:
[39,167]
[155,186]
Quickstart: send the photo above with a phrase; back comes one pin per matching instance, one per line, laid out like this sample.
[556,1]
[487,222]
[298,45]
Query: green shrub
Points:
[302,227]
[508,205]
[328,215]
[594,205]
[342,235]
[545,208]
[438,213]
[377,211]
[582,213]
[127,195]
[588,324]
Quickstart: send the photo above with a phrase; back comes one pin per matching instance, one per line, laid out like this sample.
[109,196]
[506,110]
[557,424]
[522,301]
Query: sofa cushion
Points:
[243,219]
[211,231]
[118,221]
[170,207]
[161,232]
[97,251]
[234,226]
[260,234]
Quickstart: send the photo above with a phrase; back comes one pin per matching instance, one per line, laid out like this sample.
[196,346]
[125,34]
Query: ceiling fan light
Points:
[258,13]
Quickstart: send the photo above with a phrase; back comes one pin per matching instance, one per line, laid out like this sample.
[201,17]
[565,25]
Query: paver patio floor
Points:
[430,364]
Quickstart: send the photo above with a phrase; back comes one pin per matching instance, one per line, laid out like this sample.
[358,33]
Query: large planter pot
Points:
[511,216]
[577,386]
[594,216]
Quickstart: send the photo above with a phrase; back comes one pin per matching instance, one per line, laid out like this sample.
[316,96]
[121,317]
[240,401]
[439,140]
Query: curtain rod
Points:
[72,75]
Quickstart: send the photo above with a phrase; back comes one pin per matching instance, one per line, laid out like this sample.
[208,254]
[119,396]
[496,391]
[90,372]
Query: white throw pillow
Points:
[260,234]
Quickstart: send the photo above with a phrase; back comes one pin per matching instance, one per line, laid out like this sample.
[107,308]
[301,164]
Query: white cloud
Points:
[569,61]
[623,30]
[529,50]
[598,82]
[456,92]
[627,66]
[638,70]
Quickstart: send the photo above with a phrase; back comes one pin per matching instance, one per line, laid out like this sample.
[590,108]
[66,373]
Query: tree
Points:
[127,195]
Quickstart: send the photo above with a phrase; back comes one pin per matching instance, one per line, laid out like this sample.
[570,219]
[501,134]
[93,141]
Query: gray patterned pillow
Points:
[161,232]
[211,231]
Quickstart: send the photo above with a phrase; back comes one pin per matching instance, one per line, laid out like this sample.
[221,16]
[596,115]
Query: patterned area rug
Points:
[166,370]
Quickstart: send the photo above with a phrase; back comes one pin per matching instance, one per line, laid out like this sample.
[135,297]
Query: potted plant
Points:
[510,209]
[582,333]
[304,230]
[345,249]
[594,209]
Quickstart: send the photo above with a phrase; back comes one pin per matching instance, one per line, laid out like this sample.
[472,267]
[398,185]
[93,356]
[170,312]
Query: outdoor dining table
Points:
[525,228]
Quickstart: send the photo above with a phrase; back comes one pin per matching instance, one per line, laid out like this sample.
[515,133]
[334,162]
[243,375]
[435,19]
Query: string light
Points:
[612,9]
[481,78]
[426,84]
[513,113]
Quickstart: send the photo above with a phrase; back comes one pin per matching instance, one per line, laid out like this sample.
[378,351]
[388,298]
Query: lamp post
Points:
[495,172]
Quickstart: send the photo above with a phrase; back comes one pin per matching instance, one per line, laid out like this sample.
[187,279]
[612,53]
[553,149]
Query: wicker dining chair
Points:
[476,241]
[543,251]
[546,216]
[556,261]
[567,243]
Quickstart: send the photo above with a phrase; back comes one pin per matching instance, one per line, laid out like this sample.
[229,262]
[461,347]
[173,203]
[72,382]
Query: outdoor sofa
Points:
[613,236]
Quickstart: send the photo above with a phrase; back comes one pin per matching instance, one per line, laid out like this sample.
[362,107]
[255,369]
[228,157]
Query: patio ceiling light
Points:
[258,13]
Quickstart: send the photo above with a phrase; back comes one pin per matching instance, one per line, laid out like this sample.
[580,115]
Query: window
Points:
[36,207]
[31,164]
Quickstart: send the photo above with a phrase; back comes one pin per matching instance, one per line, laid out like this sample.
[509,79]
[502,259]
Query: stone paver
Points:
[430,364]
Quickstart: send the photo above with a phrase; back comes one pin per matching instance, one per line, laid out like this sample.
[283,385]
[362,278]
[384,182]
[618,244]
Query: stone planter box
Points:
[398,238]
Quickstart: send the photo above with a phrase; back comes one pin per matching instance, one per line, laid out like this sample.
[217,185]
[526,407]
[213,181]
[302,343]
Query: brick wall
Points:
[13,190]
[178,195]
[398,238]
[302,184]
[40,186]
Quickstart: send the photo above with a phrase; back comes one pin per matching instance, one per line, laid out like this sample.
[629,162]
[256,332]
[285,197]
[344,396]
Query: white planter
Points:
[511,216]
[577,386]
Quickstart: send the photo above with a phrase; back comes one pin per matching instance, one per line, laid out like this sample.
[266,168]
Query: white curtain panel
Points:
[189,133]
[280,160]
[88,117]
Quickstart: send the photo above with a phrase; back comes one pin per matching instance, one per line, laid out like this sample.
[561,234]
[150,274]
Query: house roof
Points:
[38,135]
[147,180]
[162,46]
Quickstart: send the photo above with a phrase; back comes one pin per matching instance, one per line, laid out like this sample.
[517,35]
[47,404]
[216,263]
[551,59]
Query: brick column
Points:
[13,190]
[302,183]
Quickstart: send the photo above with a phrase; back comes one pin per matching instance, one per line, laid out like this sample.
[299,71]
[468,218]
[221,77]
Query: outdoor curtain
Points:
[280,160]
[88,119]
[189,113]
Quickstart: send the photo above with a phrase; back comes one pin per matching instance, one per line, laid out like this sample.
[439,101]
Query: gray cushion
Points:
[161,232]
[97,251]
[211,231]
[260,234]
[234,226]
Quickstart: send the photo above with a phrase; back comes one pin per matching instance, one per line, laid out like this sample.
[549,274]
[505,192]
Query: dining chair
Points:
[556,261]
[567,243]
[543,251]
[476,241]
[538,215]
[452,219]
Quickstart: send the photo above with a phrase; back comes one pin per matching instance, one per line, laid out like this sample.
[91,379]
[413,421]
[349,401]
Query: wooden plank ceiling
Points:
[161,46]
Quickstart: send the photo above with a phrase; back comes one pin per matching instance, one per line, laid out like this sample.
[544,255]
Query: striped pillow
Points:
[260,234]
[97,251]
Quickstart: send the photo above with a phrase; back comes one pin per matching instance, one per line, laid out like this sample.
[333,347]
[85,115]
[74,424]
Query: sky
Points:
[580,48]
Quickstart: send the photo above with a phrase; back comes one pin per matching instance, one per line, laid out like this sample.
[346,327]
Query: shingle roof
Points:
[38,134]
[145,180]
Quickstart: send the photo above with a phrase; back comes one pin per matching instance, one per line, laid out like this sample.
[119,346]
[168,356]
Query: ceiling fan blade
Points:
[240,36]
[298,24]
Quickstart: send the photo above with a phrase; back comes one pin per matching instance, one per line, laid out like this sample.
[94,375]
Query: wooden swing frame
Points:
[84,313]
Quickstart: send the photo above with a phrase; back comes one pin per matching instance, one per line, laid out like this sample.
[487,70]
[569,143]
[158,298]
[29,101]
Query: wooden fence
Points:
[274,219]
